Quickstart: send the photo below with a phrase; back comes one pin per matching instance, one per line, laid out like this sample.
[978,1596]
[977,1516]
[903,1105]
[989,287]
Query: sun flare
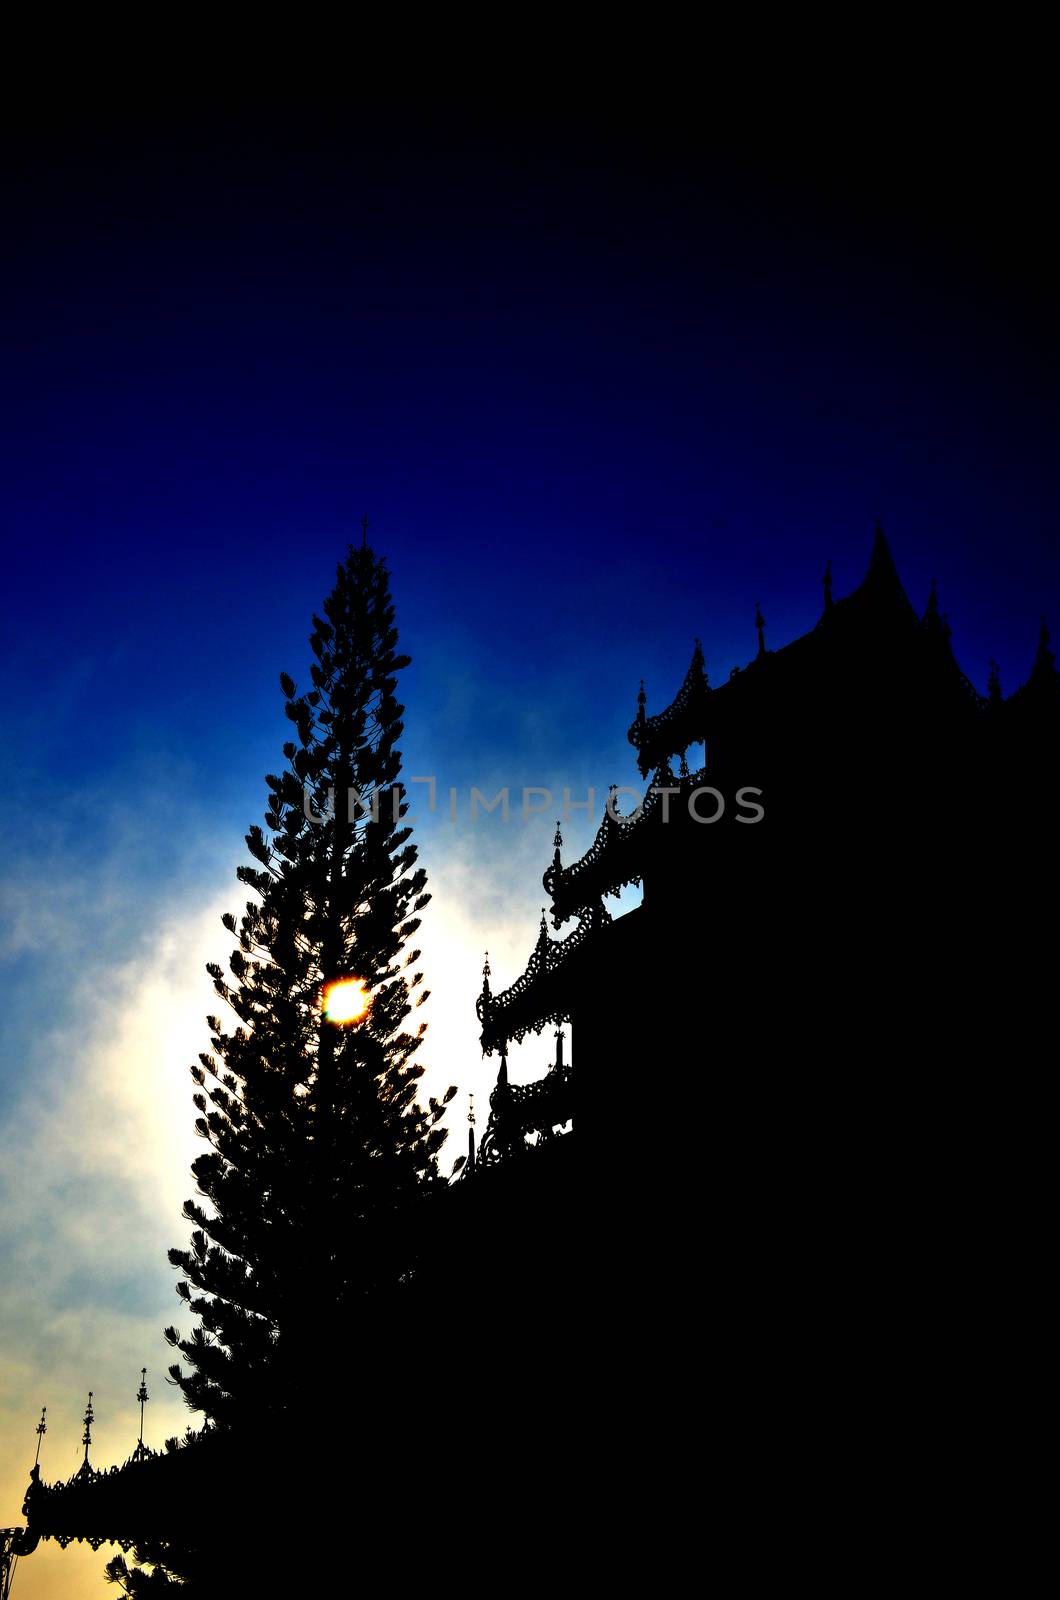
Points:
[345,1000]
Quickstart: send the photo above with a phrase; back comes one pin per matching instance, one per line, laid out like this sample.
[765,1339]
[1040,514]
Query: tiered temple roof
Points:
[874,632]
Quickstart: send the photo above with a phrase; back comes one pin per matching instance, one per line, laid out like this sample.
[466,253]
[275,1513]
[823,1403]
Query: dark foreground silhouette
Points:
[780,1288]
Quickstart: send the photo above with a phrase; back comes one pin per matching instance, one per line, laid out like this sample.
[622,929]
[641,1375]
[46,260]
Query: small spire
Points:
[827,582]
[471,1133]
[642,701]
[42,1428]
[559,1049]
[557,843]
[881,562]
[543,940]
[86,1437]
[486,978]
[1043,672]
[502,1071]
[993,684]
[142,1396]
[760,625]
[1045,655]
[936,623]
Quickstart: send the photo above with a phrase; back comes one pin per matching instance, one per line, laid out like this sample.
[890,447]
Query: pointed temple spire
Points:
[42,1428]
[670,730]
[1043,684]
[142,1396]
[502,1071]
[471,1133]
[1045,660]
[881,569]
[485,999]
[642,701]
[559,1049]
[86,1437]
[760,625]
[881,558]
[557,843]
[1040,694]
[881,588]
[993,685]
[936,623]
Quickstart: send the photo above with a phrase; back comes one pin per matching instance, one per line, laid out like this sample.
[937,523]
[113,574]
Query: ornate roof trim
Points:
[650,736]
[531,1001]
[613,860]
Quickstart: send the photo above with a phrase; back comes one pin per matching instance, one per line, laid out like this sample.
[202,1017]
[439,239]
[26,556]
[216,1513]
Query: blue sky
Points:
[597,398]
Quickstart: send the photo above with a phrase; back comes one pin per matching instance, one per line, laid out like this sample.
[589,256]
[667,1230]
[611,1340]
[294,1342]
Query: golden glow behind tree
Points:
[319,1148]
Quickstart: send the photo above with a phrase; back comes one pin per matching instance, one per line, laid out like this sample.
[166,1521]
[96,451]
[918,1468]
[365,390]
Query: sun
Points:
[345,1000]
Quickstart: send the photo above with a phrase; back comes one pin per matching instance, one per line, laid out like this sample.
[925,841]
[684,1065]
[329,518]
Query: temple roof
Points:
[874,631]
[531,1001]
[870,676]
[876,613]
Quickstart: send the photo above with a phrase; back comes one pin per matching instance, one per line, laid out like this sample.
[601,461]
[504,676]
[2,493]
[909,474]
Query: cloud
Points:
[94,1167]
[93,1173]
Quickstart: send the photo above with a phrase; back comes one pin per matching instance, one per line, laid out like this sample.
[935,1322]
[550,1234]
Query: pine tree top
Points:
[318,1145]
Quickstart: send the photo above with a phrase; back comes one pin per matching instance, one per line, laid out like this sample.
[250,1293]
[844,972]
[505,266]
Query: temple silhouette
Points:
[833,842]
[782,1112]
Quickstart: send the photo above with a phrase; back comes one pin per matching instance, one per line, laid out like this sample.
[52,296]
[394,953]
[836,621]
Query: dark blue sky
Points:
[599,391]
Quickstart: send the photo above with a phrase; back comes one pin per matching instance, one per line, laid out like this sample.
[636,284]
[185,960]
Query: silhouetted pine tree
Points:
[319,1150]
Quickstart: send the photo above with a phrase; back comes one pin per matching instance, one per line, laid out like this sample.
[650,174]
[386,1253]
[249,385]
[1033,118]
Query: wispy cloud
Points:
[94,1165]
[93,1173]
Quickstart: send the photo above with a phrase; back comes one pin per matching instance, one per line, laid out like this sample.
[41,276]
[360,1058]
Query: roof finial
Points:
[642,701]
[827,581]
[760,624]
[471,1133]
[86,1437]
[881,562]
[1043,640]
[42,1428]
[502,1071]
[1044,666]
[936,622]
[993,684]
[557,843]
[486,995]
[142,1396]
[559,1049]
